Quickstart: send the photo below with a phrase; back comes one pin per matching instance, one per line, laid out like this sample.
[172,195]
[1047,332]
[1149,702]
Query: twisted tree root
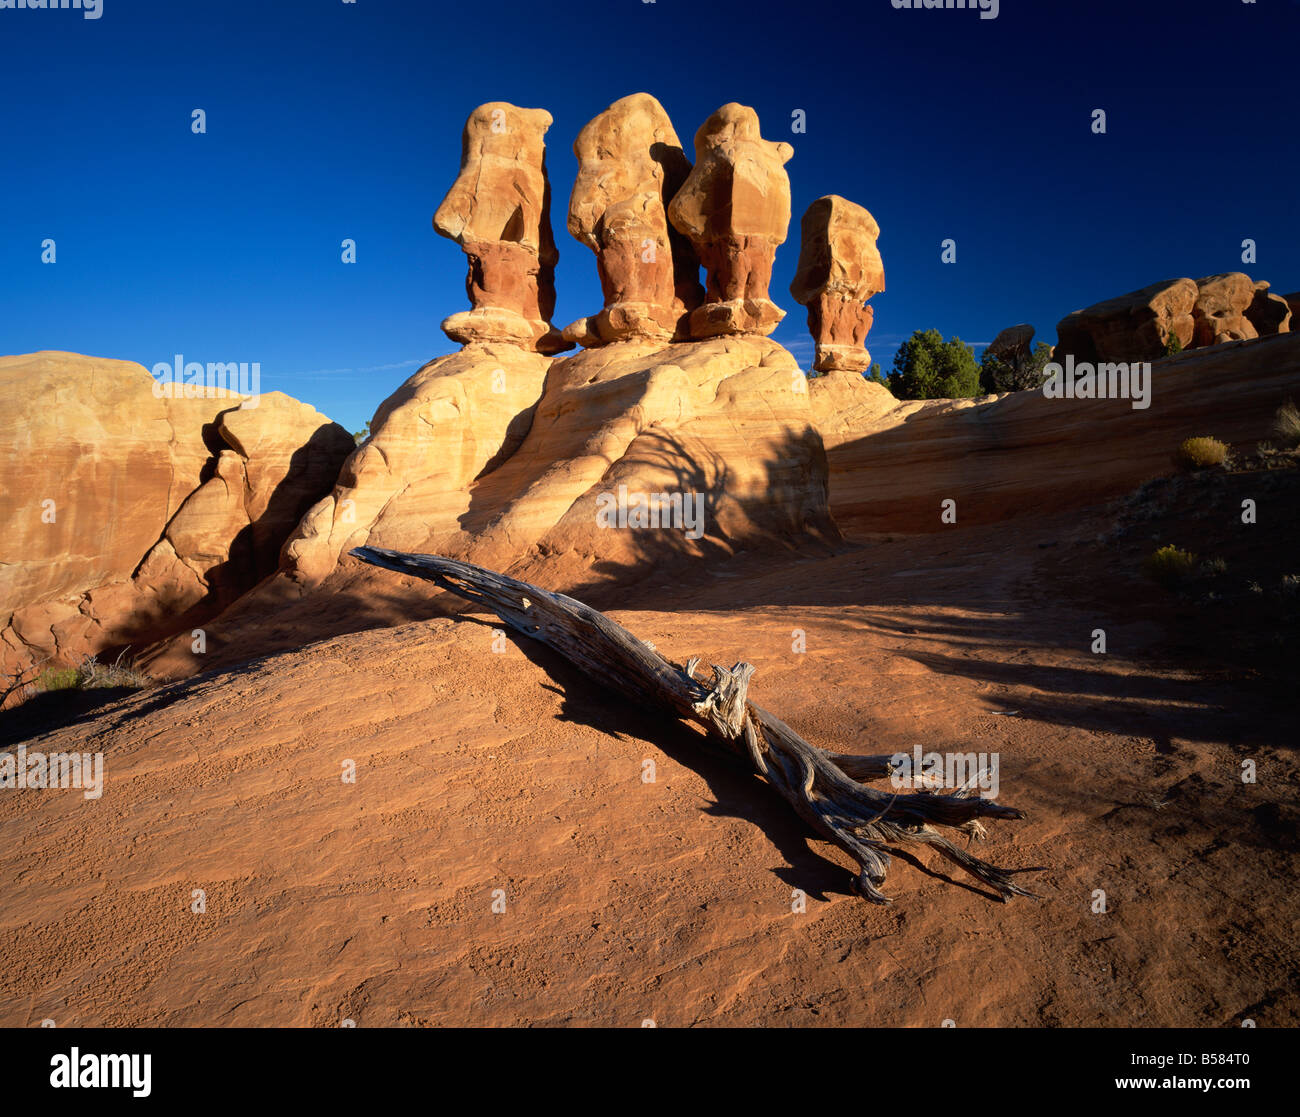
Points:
[826,789]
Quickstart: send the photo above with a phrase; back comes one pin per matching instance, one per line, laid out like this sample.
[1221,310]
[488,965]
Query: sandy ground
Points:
[480,770]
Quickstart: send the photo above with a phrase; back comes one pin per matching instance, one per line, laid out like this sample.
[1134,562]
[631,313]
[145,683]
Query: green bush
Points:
[1016,373]
[1200,453]
[1170,566]
[1172,345]
[59,678]
[93,675]
[927,367]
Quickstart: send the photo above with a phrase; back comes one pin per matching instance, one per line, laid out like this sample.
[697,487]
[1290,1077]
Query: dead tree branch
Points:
[826,789]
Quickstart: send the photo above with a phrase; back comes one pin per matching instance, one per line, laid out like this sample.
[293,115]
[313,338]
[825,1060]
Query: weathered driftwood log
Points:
[825,788]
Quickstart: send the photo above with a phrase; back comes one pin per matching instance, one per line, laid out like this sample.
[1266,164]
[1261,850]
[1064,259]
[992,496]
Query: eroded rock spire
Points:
[498,211]
[839,270]
[630,165]
[735,208]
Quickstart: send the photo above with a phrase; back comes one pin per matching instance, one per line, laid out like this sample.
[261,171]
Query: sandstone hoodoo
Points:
[1013,344]
[501,454]
[735,208]
[498,211]
[839,270]
[630,165]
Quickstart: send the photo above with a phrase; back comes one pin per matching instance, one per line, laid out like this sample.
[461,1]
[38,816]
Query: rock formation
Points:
[1132,327]
[725,421]
[498,211]
[1015,343]
[131,514]
[839,270]
[735,208]
[630,164]
[1219,313]
[453,421]
[1293,301]
[1030,452]
[1270,314]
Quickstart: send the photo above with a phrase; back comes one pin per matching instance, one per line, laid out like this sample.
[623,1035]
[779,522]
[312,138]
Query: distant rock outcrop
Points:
[735,208]
[630,164]
[1219,313]
[129,513]
[1270,314]
[892,467]
[498,211]
[839,270]
[1013,344]
[1132,327]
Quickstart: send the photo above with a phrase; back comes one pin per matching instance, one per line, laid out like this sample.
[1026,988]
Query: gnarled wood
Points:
[824,788]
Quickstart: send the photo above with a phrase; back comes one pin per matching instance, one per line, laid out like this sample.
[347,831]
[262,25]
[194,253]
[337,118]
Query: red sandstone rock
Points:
[630,164]
[839,270]
[735,208]
[1220,309]
[1132,327]
[498,211]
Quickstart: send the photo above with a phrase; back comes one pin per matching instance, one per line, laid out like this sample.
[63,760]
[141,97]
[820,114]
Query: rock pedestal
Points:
[839,270]
[498,211]
[630,164]
[735,208]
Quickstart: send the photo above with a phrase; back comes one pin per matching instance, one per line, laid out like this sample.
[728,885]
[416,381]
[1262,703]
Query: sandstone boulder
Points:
[1268,313]
[136,512]
[839,270]
[1013,344]
[498,211]
[1132,327]
[630,165]
[1219,312]
[735,208]
[1293,301]
[456,419]
[722,426]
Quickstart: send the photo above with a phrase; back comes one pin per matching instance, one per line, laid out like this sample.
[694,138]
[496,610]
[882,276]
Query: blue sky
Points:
[328,120]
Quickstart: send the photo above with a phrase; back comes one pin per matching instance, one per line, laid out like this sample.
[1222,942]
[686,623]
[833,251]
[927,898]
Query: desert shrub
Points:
[59,678]
[1170,566]
[1200,453]
[1014,373]
[1214,568]
[927,367]
[1290,585]
[1286,424]
[90,674]
[1172,345]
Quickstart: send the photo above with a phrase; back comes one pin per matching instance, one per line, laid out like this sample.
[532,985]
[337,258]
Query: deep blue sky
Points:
[329,120]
